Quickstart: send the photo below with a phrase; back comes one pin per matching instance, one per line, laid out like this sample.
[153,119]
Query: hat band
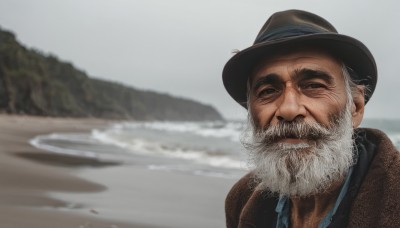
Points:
[287,31]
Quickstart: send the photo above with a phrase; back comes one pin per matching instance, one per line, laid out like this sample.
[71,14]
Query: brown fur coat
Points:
[376,200]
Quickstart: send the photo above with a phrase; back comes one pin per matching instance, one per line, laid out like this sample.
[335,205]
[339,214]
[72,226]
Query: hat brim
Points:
[352,52]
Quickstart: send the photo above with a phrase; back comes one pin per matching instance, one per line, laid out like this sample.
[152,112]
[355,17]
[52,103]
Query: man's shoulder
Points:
[378,200]
[237,199]
[248,206]
[241,192]
[384,167]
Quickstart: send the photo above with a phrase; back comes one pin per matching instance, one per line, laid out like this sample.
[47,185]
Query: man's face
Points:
[302,116]
[305,85]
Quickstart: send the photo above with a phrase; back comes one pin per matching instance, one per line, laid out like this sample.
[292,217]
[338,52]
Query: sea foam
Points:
[205,143]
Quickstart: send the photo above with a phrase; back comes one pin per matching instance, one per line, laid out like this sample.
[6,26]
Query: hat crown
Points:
[290,29]
[291,23]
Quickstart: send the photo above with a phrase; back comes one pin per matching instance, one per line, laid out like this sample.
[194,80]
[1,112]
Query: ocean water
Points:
[199,148]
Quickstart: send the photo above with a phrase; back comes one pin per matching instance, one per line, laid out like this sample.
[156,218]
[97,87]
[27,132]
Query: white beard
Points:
[302,169]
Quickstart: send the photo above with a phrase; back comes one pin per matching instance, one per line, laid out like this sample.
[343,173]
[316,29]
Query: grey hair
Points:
[349,84]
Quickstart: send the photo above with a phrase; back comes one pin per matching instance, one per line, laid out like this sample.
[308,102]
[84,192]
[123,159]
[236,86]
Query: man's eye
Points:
[313,86]
[267,91]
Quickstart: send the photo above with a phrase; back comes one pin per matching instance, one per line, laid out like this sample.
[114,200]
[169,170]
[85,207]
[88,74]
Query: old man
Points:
[305,87]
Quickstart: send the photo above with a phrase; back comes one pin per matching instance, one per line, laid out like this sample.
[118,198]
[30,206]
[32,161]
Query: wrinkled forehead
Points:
[296,59]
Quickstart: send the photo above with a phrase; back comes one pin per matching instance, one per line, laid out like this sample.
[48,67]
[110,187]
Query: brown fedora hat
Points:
[293,29]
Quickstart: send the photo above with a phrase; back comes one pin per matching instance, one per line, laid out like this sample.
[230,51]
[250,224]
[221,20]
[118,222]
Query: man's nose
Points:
[290,107]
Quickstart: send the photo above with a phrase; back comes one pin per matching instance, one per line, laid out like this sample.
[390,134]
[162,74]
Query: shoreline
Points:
[26,179]
[56,190]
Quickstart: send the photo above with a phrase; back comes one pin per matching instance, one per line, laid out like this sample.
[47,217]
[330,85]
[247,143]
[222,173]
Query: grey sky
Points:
[180,46]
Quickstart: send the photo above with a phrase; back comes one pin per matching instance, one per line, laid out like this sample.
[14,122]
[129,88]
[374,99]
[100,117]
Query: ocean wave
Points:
[219,129]
[116,136]
[49,143]
[162,139]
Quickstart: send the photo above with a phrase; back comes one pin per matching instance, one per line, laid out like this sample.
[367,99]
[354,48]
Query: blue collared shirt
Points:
[283,207]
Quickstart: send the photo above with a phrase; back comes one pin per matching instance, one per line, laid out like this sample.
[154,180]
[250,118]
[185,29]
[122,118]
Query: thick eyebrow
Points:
[299,74]
[307,74]
[268,79]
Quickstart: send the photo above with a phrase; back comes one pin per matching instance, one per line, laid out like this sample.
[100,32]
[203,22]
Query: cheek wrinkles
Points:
[334,98]
[262,114]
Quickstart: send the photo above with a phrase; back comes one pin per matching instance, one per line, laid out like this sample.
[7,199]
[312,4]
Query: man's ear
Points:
[357,108]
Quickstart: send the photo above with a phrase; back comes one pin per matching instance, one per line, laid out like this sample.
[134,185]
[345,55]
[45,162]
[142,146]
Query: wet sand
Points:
[42,189]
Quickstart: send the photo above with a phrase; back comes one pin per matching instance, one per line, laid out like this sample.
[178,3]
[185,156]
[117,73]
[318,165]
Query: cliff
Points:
[37,84]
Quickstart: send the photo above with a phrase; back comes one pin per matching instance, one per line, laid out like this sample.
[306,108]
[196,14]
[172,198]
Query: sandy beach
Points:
[44,189]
